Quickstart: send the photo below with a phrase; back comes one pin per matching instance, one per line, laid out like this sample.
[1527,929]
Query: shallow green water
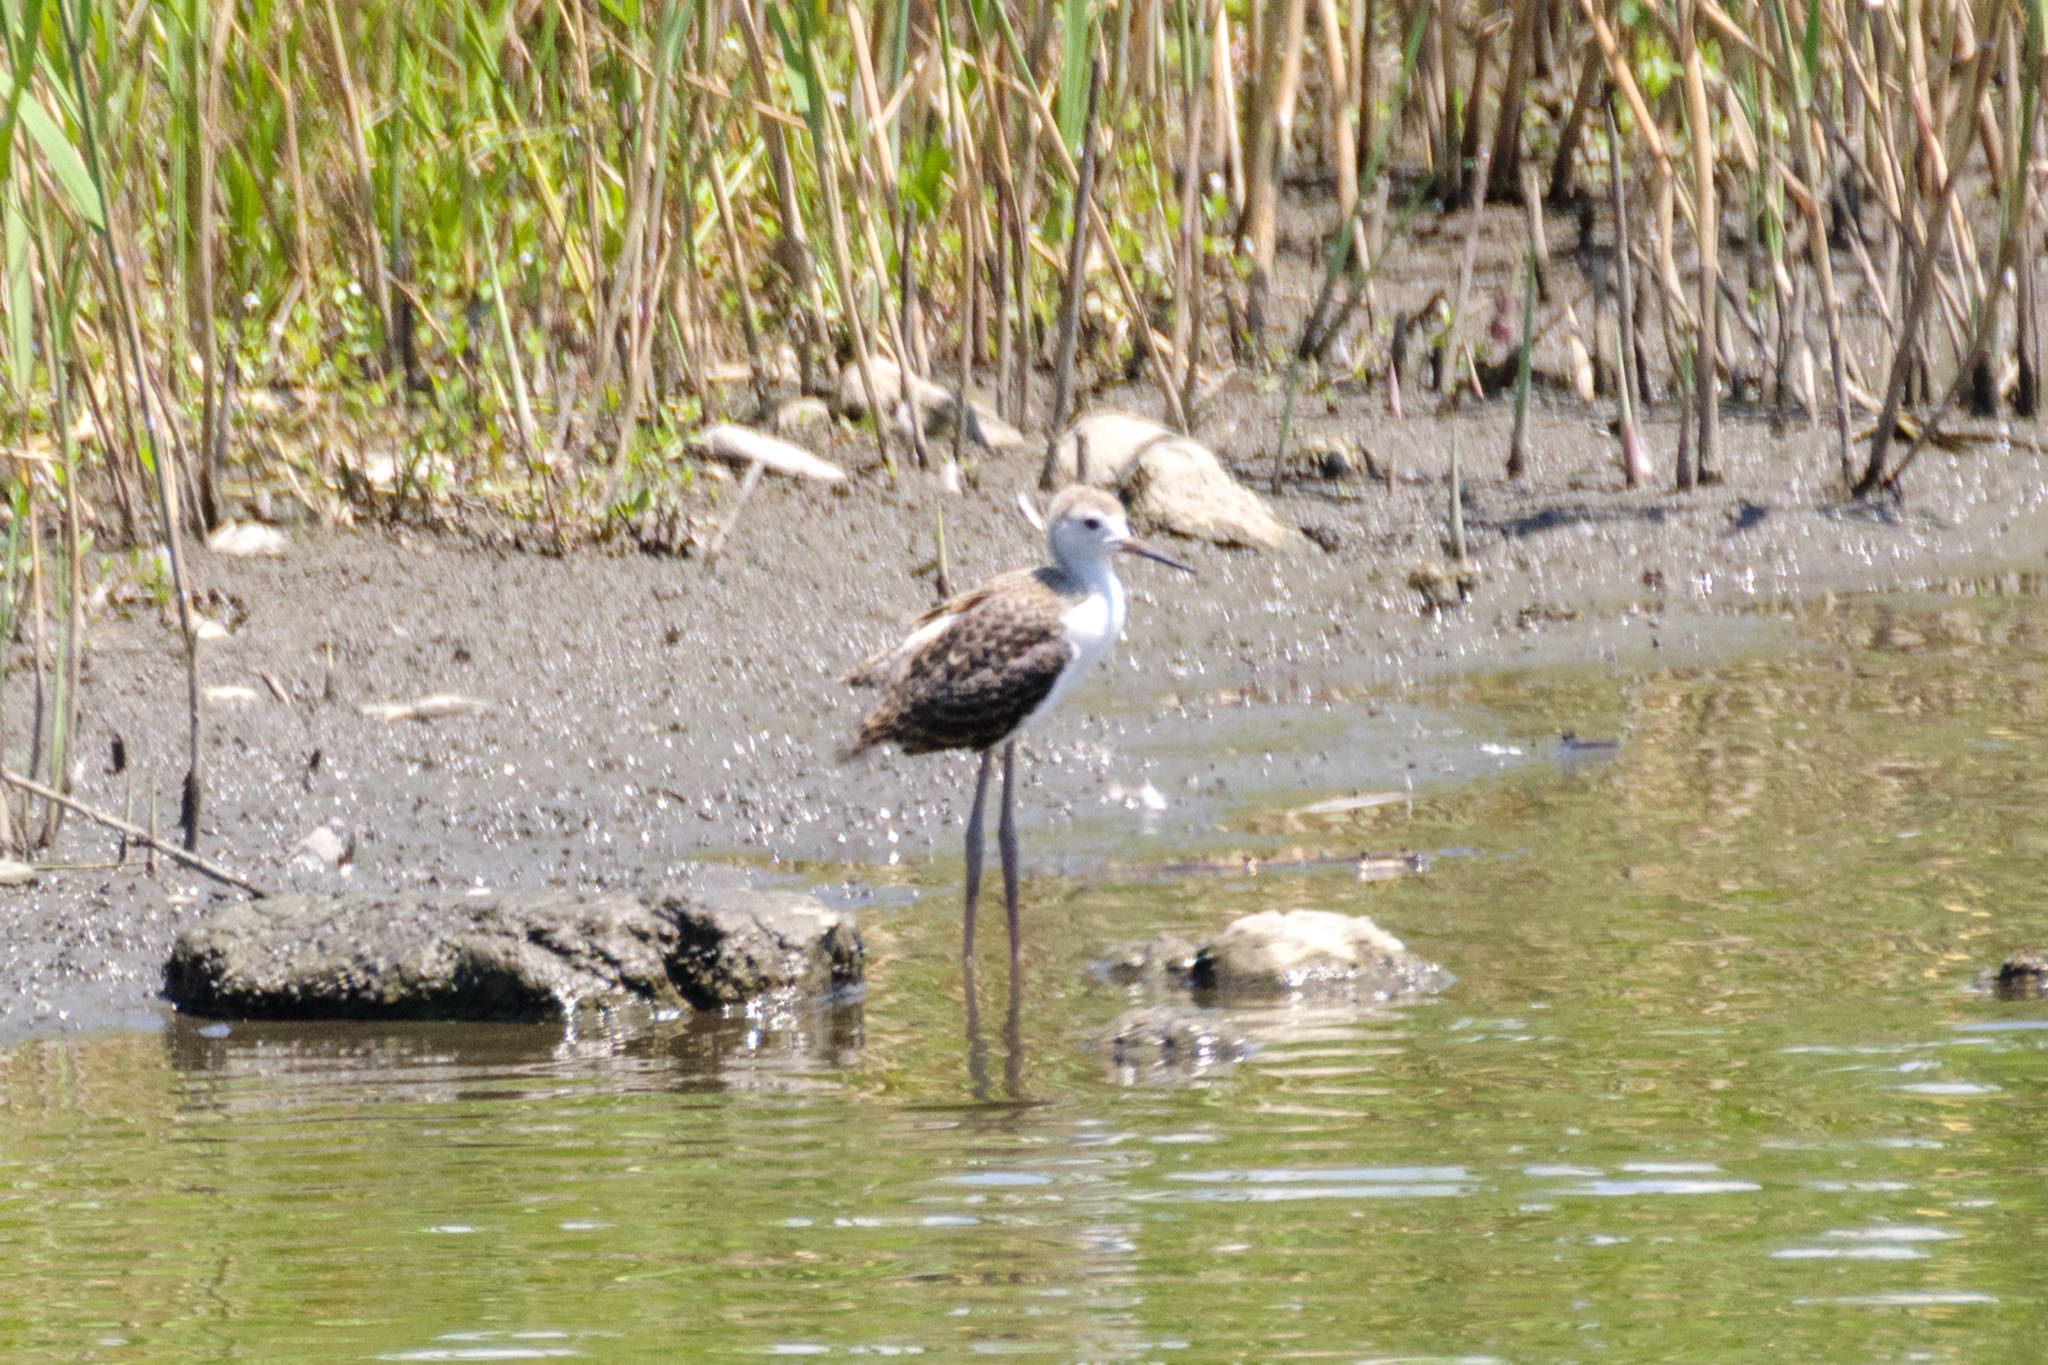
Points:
[1711,1086]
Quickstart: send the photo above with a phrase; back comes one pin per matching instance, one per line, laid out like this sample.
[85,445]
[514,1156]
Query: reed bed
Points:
[441,259]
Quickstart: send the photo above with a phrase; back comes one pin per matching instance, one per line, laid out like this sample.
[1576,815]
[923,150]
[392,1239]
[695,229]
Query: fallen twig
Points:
[747,486]
[134,832]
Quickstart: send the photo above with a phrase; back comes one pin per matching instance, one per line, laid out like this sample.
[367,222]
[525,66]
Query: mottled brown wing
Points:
[876,669]
[972,685]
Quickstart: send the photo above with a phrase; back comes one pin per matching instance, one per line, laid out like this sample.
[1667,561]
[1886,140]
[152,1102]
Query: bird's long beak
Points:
[1131,545]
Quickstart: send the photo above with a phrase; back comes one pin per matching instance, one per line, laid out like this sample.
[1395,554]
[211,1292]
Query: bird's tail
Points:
[868,738]
[874,670]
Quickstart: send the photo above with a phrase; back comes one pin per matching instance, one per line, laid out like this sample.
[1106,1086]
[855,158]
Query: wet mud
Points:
[654,719]
[647,718]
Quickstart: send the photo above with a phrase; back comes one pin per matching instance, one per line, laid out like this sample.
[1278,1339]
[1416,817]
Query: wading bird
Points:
[976,670]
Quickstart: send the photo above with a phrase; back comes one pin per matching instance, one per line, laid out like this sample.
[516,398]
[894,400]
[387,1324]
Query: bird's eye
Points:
[1092,523]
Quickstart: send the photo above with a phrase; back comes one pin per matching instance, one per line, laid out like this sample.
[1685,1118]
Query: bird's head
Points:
[1086,526]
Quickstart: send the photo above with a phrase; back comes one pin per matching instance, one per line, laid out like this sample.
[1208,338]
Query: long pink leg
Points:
[1006,840]
[974,842]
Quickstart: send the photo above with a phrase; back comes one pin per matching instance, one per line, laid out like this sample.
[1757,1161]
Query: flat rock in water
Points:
[2023,976]
[1168,960]
[742,945]
[1280,954]
[508,955]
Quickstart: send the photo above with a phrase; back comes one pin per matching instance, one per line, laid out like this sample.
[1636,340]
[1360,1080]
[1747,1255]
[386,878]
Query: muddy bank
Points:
[643,715]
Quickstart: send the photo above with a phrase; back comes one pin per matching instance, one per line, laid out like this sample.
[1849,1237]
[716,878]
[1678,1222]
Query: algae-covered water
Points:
[1712,1085]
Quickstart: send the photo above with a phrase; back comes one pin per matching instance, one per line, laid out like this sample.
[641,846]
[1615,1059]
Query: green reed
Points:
[522,249]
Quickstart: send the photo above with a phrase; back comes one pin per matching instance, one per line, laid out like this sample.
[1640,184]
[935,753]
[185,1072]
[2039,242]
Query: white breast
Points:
[1092,625]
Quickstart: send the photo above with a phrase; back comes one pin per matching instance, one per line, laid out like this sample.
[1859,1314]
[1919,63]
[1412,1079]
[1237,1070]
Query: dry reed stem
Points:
[1905,350]
[1070,303]
[1707,224]
[183,856]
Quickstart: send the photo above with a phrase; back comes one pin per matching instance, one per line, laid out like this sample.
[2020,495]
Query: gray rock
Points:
[508,955]
[1113,442]
[934,403]
[1171,1042]
[1168,960]
[1170,482]
[1180,486]
[889,388]
[790,415]
[1314,954]
[984,428]
[747,944]
[2023,976]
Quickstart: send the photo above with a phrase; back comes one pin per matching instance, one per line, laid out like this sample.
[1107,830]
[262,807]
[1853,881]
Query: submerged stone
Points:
[1312,953]
[1168,1042]
[2023,976]
[507,955]
[1167,960]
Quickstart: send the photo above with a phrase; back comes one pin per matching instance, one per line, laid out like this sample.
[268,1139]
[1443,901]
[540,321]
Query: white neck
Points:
[1096,575]
[1092,625]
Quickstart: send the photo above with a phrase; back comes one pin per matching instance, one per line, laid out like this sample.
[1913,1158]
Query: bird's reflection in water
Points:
[1013,1040]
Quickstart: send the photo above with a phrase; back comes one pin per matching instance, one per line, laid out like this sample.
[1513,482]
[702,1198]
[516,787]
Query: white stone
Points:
[1170,482]
[1291,953]
[321,850]
[889,388]
[1295,939]
[933,402]
[1180,486]
[244,539]
[1114,439]
[432,707]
